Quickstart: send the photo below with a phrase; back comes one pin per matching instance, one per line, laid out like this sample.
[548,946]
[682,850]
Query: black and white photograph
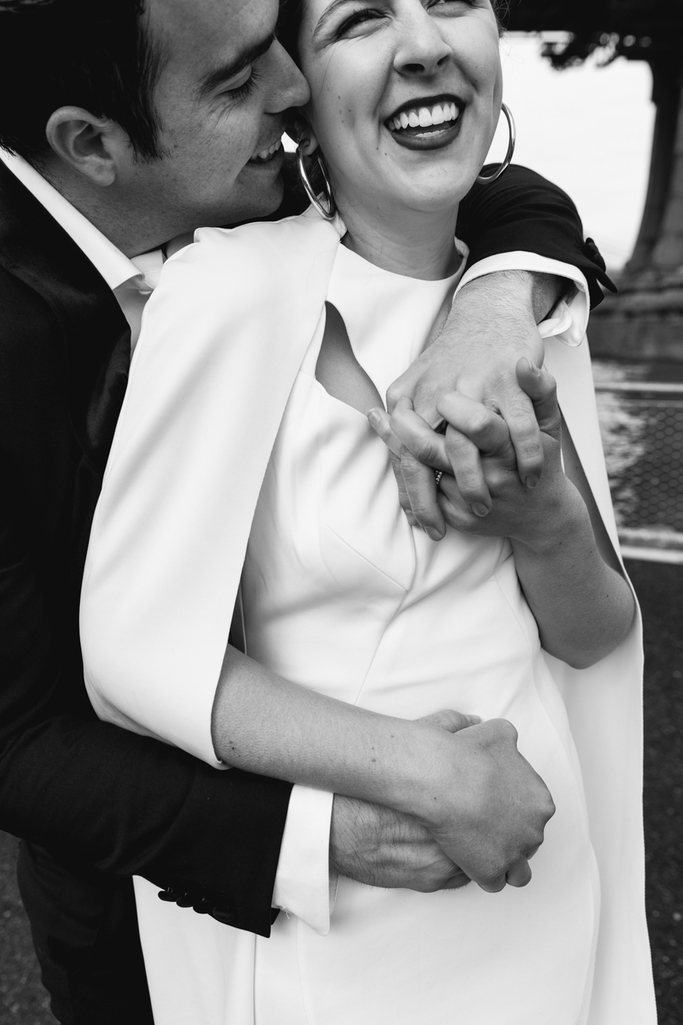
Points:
[341,539]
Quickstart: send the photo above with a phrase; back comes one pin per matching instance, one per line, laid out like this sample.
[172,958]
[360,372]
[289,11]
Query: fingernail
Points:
[479,509]
[434,533]
[374,417]
[533,368]
[531,481]
[474,719]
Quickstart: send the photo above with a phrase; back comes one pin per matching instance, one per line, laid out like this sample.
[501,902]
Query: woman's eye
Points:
[356,19]
[451,3]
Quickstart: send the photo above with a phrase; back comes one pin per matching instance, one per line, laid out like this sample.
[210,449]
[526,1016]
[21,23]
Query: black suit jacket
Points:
[94,795]
[97,797]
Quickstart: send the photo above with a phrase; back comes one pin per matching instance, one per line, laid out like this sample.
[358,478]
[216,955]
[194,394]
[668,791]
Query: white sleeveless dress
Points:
[343,596]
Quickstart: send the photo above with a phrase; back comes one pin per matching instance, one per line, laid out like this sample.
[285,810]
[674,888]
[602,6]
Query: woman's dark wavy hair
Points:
[291,14]
[94,54]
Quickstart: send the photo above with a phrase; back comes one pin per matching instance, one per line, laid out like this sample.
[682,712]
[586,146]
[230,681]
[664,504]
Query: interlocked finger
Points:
[483,426]
[423,442]
[465,462]
[420,486]
[525,435]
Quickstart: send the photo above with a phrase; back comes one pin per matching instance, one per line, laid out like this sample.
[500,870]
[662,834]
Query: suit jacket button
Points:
[167,895]
[203,907]
[185,901]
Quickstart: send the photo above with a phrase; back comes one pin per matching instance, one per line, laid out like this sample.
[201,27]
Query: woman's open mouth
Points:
[425,125]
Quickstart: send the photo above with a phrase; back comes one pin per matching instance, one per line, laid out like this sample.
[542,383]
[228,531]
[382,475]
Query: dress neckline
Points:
[373,270]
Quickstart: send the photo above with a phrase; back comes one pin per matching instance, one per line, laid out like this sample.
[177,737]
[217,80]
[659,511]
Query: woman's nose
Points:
[422,49]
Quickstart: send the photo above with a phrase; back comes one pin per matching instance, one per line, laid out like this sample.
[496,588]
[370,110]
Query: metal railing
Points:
[642,428]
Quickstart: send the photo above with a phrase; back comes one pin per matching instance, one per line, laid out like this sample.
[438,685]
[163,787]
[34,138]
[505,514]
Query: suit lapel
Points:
[36,250]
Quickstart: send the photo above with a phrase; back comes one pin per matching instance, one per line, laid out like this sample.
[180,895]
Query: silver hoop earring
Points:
[331,212]
[487,179]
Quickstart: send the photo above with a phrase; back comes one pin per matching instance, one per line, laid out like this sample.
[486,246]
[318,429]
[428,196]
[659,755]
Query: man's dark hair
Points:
[94,54]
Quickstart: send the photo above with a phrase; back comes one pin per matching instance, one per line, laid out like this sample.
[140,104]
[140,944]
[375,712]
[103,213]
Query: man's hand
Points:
[532,516]
[485,807]
[492,323]
[381,847]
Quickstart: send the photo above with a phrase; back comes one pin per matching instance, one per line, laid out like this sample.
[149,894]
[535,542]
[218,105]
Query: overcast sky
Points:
[590,130]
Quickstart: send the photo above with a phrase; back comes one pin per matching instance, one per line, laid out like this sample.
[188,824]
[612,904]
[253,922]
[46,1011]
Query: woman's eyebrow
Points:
[224,72]
[327,13]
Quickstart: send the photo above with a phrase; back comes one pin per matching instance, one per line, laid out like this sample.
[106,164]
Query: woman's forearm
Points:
[265,724]
[584,608]
[471,788]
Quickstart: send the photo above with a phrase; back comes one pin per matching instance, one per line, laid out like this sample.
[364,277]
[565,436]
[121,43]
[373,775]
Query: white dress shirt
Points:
[303,886]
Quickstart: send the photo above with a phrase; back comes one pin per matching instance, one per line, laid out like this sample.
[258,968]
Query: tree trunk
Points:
[646,318]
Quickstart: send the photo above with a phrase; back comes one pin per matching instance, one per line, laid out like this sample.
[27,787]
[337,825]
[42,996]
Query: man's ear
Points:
[93,146]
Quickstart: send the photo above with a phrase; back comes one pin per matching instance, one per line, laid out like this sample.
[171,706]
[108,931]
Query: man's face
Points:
[221,92]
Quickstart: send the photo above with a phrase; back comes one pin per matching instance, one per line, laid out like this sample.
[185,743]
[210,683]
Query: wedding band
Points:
[438,474]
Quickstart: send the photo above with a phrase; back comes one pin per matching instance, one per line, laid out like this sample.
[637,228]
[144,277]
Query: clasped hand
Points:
[489,494]
[491,325]
[480,816]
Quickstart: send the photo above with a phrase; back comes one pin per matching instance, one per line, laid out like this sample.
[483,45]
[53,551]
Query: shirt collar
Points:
[115,268]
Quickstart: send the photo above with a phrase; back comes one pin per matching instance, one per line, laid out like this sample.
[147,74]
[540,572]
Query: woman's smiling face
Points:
[405,97]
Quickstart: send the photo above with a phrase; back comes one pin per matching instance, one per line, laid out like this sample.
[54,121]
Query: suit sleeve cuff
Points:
[302,882]
[569,319]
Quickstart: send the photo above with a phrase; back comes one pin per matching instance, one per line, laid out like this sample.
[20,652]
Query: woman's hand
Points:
[487,808]
[464,781]
[537,513]
[492,324]
[570,575]
[531,512]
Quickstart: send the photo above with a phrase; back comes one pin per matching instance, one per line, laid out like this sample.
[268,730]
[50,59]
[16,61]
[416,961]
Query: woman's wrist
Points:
[428,774]
[560,525]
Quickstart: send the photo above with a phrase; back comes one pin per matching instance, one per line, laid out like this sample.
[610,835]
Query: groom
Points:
[134,123]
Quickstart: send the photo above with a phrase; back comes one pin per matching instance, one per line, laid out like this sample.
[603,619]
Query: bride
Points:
[522,614]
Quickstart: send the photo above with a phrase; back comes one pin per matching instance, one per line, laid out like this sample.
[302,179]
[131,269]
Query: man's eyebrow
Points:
[225,72]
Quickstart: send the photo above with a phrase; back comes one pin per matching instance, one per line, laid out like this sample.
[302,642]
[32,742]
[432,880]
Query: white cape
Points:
[200,417]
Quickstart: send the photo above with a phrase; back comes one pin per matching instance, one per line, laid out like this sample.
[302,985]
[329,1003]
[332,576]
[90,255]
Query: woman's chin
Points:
[437,189]
[432,200]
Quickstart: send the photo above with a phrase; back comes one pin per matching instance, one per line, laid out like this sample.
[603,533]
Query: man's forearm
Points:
[546,291]
[538,292]
[512,298]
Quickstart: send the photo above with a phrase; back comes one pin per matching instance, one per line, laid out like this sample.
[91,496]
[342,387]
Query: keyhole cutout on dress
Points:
[338,370]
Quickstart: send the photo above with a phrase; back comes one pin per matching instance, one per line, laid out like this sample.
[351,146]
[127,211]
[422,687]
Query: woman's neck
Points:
[416,244]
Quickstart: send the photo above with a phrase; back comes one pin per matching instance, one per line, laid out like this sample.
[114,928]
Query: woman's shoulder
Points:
[284,262]
[261,248]
[263,235]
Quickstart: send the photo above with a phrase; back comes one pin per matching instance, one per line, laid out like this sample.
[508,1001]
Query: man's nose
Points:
[289,88]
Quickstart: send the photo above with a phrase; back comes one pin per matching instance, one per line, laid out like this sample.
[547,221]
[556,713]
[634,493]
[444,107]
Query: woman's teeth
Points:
[266,154]
[424,117]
